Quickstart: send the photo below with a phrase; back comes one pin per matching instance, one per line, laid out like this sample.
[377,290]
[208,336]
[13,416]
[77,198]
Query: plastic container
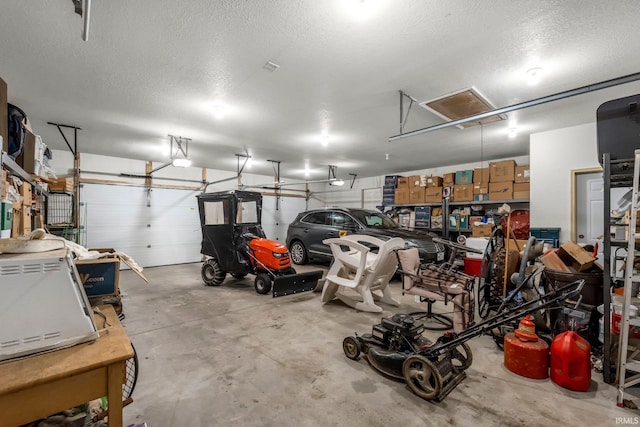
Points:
[479,243]
[551,235]
[524,353]
[472,266]
[571,361]
[6,214]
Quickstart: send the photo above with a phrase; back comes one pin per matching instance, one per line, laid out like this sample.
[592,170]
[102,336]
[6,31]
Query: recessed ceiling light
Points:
[513,132]
[325,140]
[534,75]
[219,111]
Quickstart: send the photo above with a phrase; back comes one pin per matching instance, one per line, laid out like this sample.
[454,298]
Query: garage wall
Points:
[553,155]
[162,228]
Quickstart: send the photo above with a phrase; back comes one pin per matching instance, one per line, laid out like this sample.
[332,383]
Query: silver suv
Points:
[310,228]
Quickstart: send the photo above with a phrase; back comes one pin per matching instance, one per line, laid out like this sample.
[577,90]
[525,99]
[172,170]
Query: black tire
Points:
[461,357]
[263,283]
[352,348]
[131,377]
[239,275]
[298,253]
[422,377]
[212,274]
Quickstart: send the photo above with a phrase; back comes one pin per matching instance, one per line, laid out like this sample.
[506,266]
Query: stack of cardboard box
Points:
[389,189]
[521,183]
[480,184]
[463,186]
[21,225]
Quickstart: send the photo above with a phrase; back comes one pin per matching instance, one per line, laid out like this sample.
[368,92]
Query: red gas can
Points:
[571,361]
[524,353]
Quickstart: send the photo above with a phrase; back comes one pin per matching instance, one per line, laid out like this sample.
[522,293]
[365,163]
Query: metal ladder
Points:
[631,361]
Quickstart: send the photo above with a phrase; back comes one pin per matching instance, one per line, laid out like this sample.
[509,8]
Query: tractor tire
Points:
[212,274]
[239,276]
[263,283]
[298,253]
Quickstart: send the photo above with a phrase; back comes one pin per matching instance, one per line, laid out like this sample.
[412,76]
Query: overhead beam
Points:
[522,105]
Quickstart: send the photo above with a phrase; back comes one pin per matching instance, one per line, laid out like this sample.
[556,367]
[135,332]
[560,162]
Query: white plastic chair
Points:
[360,270]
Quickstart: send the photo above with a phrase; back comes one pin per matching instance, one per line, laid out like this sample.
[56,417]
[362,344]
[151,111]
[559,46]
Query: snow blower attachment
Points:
[233,241]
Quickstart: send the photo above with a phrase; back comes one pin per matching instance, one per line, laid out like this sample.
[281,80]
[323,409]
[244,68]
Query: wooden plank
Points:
[125,183]
[147,170]
[115,375]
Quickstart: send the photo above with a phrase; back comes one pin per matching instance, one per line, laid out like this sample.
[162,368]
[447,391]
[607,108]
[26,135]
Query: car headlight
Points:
[411,244]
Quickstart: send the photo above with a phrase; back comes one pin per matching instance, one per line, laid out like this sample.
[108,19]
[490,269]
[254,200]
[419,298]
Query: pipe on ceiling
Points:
[549,98]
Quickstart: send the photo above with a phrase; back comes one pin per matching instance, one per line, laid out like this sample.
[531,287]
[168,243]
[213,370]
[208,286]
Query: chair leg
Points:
[387,298]
[433,321]
[329,291]
[367,304]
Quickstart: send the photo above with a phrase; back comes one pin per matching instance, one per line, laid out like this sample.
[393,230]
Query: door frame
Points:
[574,197]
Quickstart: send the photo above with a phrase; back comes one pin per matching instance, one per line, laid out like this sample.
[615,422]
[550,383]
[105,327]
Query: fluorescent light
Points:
[337,182]
[181,162]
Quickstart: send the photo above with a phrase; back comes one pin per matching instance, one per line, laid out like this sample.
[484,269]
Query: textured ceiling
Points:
[152,68]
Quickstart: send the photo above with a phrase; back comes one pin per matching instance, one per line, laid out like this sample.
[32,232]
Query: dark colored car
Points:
[310,228]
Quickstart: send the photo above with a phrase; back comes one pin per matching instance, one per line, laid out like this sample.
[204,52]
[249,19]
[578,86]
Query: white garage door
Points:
[275,223]
[165,232]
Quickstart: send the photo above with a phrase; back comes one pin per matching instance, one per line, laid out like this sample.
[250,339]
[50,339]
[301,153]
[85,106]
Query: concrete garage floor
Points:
[228,356]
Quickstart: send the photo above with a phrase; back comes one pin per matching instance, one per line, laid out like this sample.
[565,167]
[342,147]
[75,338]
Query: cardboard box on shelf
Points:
[415,181]
[436,221]
[521,190]
[391,180]
[481,175]
[3,193]
[481,230]
[26,193]
[522,174]
[500,190]
[551,261]
[436,211]
[402,196]
[464,177]
[4,113]
[433,195]
[417,195]
[433,181]
[61,185]
[403,182]
[480,188]
[32,154]
[463,193]
[480,197]
[503,171]
[448,179]
[574,256]
[423,212]
[516,245]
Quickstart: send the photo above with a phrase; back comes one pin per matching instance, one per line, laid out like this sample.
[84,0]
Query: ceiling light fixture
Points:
[337,183]
[180,157]
[513,132]
[219,111]
[386,156]
[325,140]
[333,180]
[271,66]
[533,76]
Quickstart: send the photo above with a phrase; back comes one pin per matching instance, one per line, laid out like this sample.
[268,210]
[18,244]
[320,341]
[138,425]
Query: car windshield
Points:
[374,219]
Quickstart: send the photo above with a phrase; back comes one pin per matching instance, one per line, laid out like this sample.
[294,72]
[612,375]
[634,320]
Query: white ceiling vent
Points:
[461,104]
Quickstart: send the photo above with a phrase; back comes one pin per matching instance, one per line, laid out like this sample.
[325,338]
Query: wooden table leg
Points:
[114,386]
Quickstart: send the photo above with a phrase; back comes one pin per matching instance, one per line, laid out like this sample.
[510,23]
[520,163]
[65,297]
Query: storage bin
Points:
[472,266]
[547,234]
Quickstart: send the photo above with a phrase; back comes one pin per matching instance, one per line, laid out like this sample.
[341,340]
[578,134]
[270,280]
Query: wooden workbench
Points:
[38,386]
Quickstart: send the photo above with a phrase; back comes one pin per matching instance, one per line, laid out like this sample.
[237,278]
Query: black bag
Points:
[17,131]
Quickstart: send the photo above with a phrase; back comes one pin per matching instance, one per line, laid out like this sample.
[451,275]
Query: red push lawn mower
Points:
[233,241]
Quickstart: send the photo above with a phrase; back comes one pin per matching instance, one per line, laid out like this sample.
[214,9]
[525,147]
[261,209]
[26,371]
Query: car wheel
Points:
[212,273]
[263,283]
[298,253]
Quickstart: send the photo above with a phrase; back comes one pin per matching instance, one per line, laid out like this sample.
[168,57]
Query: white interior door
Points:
[161,228]
[590,210]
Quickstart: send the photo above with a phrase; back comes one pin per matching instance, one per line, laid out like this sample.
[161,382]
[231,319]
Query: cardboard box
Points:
[402,196]
[21,222]
[4,114]
[521,190]
[574,256]
[551,261]
[480,197]
[423,212]
[436,221]
[448,179]
[3,193]
[26,193]
[433,181]
[403,182]
[522,174]
[480,188]
[416,195]
[28,158]
[63,185]
[464,177]
[415,181]
[391,180]
[99,276]
[504,171]
[482,230]
[463,193]
[512,246]
[433,195]
[481,175]
[500,190]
